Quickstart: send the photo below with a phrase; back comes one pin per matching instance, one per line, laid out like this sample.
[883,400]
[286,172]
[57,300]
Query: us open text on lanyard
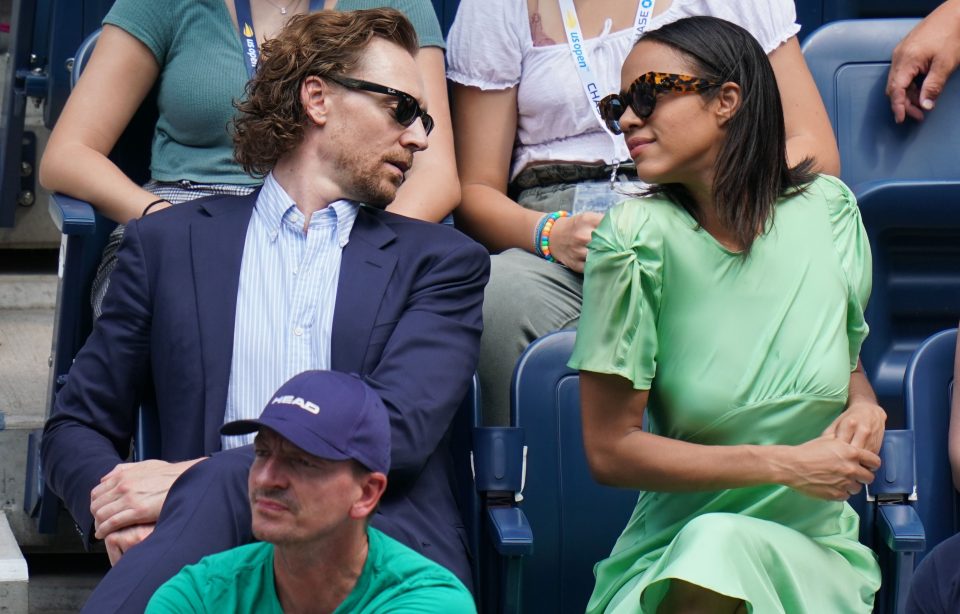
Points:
[592,88]
[248,38]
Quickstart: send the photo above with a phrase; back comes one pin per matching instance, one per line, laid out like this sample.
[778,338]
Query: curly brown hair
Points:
[271,119]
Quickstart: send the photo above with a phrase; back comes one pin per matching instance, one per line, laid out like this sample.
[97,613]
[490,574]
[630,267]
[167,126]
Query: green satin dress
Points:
[734,350]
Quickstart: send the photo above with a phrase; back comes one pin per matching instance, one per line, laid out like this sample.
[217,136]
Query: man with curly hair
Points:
[217,302]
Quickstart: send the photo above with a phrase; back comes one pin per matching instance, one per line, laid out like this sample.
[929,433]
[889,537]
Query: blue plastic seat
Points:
[907,182]
[927,389]
[575,521]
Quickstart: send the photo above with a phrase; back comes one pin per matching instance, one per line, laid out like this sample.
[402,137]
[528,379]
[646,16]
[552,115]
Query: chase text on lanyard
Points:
[248,38]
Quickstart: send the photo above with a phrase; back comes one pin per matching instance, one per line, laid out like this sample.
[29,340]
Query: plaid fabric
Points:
[175,193]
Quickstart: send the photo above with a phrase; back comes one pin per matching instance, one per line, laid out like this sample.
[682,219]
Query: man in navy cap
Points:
[322,454]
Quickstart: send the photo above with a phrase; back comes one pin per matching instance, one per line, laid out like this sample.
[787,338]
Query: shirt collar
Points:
[274,205]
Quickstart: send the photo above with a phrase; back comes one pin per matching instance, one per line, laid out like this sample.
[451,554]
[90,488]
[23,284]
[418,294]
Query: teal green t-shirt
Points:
[202,72]
[394,579]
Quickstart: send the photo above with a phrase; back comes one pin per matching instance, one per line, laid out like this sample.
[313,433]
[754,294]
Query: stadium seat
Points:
[927,389]
[814,13]
[575,521]
[85,234]
[907,184]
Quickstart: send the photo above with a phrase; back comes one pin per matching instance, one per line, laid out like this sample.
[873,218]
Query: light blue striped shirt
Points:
[285,303]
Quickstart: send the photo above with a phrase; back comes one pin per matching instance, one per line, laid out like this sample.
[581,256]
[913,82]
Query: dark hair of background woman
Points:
[751,168]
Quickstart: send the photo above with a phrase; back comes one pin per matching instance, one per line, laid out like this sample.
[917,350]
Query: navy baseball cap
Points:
[331,415]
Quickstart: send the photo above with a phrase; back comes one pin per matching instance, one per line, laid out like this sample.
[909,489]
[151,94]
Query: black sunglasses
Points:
[641,96]
[407,110]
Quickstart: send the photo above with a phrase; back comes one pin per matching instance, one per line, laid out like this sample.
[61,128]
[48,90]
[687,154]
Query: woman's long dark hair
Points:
[751,170]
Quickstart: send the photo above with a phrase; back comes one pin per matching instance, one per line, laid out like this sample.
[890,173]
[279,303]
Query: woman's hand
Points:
[570,236]
[827,468]
[861,425]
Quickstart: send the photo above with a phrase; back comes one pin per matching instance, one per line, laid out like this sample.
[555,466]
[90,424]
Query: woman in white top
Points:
[529,145]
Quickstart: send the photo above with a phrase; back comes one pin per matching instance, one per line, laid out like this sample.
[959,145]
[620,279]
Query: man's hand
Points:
[860,425]
[120,541]
[133,494]
[570,237]
[932,49]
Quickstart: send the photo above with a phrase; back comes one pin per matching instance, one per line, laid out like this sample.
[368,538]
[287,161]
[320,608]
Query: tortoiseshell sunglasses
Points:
[641,96]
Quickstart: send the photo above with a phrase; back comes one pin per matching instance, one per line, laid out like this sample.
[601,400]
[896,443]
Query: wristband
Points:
[544,242]
[146,209]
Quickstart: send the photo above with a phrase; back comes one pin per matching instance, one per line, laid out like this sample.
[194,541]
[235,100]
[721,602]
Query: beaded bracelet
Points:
[538,231]
[544,242]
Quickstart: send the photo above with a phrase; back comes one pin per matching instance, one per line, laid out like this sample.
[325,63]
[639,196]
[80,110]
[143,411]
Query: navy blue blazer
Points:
[407,318]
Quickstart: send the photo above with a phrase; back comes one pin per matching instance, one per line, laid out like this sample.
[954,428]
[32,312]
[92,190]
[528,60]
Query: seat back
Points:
[907,183]
[574,520]
[927,391]
[812,14]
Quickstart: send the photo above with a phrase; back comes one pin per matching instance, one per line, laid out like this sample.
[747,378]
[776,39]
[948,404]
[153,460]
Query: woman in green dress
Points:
[729,303]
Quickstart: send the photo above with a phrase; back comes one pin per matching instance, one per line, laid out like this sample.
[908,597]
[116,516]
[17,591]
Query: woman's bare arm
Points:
[621,454]
[485,123]
[431,189]
[809,134]
[118,77]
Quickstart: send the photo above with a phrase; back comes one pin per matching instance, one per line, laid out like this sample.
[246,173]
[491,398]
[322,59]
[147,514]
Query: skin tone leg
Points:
[686,598]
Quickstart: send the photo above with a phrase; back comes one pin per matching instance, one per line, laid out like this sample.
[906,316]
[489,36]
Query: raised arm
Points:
[809,134]
[432,189]
[120,73]
[621,454]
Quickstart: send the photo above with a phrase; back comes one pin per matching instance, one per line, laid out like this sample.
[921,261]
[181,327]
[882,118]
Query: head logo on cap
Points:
[289,399]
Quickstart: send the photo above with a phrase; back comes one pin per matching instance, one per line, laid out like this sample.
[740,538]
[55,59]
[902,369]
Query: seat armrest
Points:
[900,528]
[510,531]
[897,477]
[72,216]
[498,459]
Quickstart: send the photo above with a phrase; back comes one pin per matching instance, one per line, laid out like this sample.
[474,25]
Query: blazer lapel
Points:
[217,243]
[365,271]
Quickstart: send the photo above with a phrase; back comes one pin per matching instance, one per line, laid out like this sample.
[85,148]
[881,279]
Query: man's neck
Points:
[309,186]
[317,576]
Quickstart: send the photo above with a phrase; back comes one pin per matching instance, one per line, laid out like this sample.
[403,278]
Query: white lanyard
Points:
[592,88]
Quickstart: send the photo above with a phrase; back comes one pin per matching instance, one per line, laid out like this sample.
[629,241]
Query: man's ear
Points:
[314,96]
[372,486]
[727,102]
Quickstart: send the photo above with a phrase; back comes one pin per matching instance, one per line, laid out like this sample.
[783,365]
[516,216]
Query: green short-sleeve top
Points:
[706,330]
[202,72]
[394,579]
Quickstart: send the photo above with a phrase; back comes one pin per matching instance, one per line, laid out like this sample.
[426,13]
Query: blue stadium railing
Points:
[907,182]
[575,521]
[928,388]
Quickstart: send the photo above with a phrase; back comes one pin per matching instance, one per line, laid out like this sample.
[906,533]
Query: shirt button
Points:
[298,331]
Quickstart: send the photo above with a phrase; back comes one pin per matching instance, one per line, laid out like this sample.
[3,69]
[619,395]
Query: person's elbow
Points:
[51,168]
[603,462]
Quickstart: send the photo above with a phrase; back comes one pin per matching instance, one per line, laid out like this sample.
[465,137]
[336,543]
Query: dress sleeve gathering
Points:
[853,251]
[622,286]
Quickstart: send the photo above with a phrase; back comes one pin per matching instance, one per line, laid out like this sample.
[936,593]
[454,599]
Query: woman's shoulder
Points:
[837,196]
[486,43]
[642,221]
[771,22]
